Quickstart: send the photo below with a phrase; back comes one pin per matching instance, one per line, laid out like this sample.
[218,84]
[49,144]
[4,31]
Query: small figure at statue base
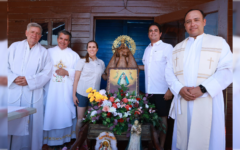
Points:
[135,138]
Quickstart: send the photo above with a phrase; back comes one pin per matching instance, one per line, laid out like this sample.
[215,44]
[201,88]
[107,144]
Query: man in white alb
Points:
[3,73]
[199,69]
[29,69]
[60,112]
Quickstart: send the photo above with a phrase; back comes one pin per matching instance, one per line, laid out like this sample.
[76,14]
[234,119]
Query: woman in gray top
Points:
[88,74]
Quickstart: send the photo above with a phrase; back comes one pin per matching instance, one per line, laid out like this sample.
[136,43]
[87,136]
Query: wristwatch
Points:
[202,88]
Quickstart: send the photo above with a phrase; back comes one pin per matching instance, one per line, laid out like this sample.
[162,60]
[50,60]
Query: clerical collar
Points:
[198,37]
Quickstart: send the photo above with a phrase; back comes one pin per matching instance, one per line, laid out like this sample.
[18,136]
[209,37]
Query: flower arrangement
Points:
[117,110]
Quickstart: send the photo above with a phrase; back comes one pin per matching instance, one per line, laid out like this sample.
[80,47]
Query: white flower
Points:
[151,111]
[102,92]
[117,100]
[115,114]
[107,103]
[146,105]
[129,113]
[132,100]
[127,94]
[83,118]
[125,115]
[118,105]
[140,107]
[112,110]
[93,113]
[120,115]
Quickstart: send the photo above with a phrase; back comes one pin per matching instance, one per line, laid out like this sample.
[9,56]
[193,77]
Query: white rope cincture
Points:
[37,100]
[26,98]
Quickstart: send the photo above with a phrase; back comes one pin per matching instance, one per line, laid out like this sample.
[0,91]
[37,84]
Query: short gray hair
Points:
[33,24]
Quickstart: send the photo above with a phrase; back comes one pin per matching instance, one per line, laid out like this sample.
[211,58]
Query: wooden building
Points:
[105,20]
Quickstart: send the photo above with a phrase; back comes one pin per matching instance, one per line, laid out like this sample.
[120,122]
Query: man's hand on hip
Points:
[186,94]
[168,95]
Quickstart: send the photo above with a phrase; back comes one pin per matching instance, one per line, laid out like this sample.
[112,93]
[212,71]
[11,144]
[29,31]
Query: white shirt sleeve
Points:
[144,55]
[11,76]
[71,71]
[103,66]
[80,64]
[173,83]
[223,75]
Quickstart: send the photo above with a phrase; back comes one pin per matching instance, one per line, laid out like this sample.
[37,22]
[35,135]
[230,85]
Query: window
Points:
[50,27]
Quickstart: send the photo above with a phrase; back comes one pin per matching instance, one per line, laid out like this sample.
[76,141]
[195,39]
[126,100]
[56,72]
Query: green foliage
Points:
[146,113]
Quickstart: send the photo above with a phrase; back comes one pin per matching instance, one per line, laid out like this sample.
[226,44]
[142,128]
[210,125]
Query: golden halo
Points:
[60,65]
[129,42]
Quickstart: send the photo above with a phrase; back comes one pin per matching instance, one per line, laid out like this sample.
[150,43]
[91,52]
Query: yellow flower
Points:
[97,100]
[90,95]
[99,97]
[92,99]
[93,91]
[95,94]
[105,98]
[89,90]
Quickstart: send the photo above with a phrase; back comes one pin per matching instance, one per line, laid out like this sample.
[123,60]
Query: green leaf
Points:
[160,118]
[163,125]
[154,124]
[108,120]
[134,93]
[104,114]
[125,128]
[112,119]
[104,123]
[164,131]
[122,111]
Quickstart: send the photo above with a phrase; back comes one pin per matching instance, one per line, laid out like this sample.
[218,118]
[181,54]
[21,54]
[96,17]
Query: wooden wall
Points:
[3,20]
[228,94]
[82,14]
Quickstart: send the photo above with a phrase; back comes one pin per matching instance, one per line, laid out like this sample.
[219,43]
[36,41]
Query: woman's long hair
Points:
[87,55]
